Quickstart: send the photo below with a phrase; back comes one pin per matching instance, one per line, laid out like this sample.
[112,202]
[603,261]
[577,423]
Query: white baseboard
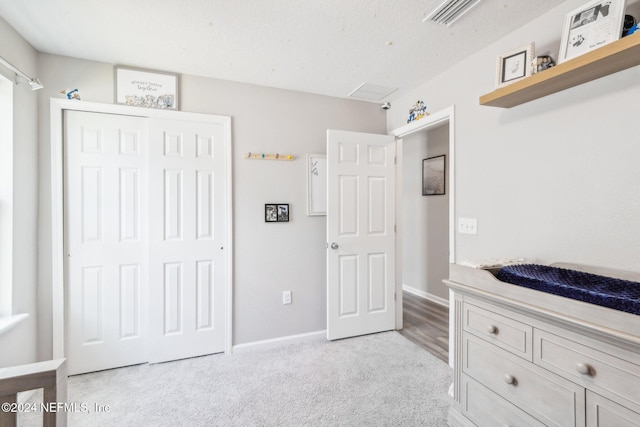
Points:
[279,342]
[425,295]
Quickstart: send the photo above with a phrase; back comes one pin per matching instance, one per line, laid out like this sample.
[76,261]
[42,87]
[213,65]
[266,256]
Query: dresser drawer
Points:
[506,333]
[487,409]
[547,397]
[587,366]
[602,412]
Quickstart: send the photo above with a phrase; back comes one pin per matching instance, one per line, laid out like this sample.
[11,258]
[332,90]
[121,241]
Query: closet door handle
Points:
[334,245]
[492,329]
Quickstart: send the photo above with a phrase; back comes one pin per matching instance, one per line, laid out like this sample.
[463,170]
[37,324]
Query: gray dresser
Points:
[527,358]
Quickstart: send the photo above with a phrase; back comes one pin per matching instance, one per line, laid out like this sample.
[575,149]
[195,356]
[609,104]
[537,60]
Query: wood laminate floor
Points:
[426,323]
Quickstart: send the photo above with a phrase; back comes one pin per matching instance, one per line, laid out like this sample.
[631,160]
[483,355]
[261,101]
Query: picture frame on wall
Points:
[146,88]
[283,213]
[593,25]
[270,213]
[434,176]
[316,184]
[514,65]
[276,212]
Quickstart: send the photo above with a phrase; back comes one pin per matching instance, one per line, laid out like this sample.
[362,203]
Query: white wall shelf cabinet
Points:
[609,59]
[524,357]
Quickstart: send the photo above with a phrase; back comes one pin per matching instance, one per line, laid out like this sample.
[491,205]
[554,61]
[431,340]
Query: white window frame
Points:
[7,318]
[6,197]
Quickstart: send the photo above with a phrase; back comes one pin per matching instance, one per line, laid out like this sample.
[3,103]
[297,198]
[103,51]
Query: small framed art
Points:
[276,212]
[514,65]
[433,176]
[316,184]
[591,26]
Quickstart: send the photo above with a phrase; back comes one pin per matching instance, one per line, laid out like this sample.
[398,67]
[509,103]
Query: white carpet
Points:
[375,380]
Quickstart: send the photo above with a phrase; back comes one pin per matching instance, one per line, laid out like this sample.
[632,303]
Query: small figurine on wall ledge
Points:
[630,25]
[71,94]
[631,30]
[418,111]
[541,63]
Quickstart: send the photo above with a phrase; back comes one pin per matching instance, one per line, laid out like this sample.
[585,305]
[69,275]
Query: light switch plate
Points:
[468,226]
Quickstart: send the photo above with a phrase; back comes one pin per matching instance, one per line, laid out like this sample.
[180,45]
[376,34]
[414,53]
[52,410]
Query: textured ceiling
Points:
[328,47]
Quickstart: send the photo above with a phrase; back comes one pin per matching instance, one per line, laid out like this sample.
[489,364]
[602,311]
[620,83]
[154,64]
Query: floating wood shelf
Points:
[609,59]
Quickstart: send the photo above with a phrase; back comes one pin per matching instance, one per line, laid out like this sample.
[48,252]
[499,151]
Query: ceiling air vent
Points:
[371,92]
[450,11]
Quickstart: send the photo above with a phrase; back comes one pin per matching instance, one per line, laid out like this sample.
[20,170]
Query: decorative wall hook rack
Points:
[268,156]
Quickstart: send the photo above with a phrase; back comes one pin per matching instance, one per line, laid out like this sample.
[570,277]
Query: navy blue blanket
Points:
[622,295]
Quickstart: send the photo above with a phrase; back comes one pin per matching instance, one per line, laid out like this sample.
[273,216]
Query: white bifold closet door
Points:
[187,256]
[144,237]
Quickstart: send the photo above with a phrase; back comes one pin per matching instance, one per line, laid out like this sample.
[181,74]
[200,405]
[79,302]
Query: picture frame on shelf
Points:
[146,88]
[514,65]
[593,25]
[434,176]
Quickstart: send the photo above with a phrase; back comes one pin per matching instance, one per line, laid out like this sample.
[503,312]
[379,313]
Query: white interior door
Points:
[360,234]
[187,239]
[106,240]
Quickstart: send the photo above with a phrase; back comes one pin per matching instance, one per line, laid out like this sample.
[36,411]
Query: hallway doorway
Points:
[425,218]
[426,324]
[427,237]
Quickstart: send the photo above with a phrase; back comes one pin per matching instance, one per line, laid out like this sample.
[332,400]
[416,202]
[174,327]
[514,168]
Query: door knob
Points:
[334,245]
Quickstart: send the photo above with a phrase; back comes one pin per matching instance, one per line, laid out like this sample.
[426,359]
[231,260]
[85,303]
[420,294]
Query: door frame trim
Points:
[439,118]
[58,106]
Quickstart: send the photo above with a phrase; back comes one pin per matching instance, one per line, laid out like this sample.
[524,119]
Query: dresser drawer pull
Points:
[492,329]
[584,369]
[510,379]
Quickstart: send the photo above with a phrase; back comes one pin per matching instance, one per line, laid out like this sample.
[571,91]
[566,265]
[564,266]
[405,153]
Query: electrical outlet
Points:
[286,297]
[467,226]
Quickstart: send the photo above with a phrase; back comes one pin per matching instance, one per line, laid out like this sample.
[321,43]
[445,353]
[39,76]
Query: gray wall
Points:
[425,218]
[269,258]
[25,201]
[556,179]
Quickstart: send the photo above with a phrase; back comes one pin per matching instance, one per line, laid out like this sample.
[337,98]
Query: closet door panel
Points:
[105,241]
[187,228]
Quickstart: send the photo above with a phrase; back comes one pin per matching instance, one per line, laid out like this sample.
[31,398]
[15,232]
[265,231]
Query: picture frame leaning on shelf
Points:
[593,25]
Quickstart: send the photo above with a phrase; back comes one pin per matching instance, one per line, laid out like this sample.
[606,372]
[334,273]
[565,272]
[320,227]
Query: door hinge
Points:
[395,160]
[395,228]
[395,296]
